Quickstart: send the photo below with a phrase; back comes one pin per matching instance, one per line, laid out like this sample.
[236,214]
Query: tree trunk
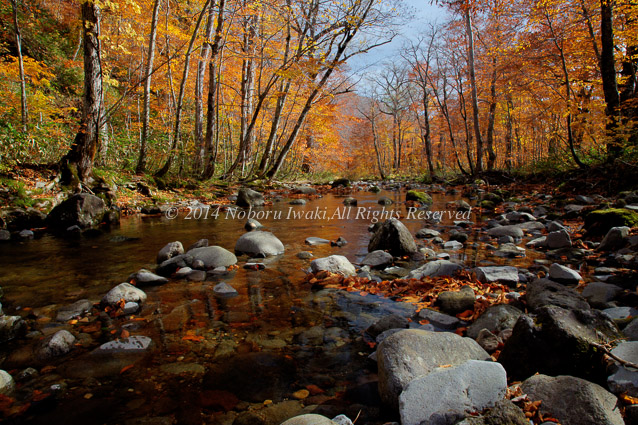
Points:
[141,163]
[79,159]
[508,135]
[180,100]
[199,91]
[608,74]
[491,154]
[475,107]
[23,86]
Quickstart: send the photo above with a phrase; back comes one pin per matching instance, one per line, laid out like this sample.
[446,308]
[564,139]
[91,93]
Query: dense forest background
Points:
[240,89]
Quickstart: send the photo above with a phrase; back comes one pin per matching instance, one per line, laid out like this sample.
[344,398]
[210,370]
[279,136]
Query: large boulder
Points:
[413,353]
[445,395]
[212,257]
[599,222]
[573,401]
[259,244]
[83,210]
[17,219]
[248,198]
[495,319]
[333,264]
[393,237]
[558,341]
[434,269]
[544,292]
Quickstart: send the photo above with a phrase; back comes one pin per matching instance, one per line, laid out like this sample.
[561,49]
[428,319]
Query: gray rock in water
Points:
[183,273]
[350,201]
[615,238]
[625,379]
[503,413]
[434,269]
[170,250]
[384,200]
[554,226]
[224,290]
[386,323]
[502,274]
[452,245]
[342,420]
[537,243]
[26,234]
[83,209]
[599,294]
[313,241]
[7,384]
[558,239]
[252,224]
[248,198]
[259,244]
[130,308]
[305,255]
[305,190]
[455,302]
[411,353]
[509,250]
[212,257]
[488,341]
[562,274]
[333,264]
[377,259]
[621,313]
[196,276]
[309,419]
[126,292]
[394,237]
[558,341]
[170,266]
[199,244]
[298,202]
[591,404]
[631,330]
[56,345]
[11,327]
[446,395]
[544,292]
[512,230]
[5,235]
[427,234]
[76,309]
[144,277]
[132,344]
[495,319]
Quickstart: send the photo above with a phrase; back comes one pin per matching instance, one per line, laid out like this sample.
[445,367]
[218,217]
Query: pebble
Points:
[301,394]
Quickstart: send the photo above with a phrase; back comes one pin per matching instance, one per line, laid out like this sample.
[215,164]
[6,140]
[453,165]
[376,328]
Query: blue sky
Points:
[421,12]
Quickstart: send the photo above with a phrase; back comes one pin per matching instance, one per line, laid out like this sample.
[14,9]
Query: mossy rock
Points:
[375,189]
[599,222]
[420,197]
[487,205]
[341,182]
[494,197]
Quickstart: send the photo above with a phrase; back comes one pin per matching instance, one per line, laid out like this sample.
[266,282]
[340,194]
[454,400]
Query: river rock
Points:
[394,237]
[11,327]
[455,302]
[132,344]
[557,341]
[599,222]
[26,234]
[564,275]
[305,190]
[201,243]
[452,245]
[314,241]
[384,200]
[445,395]
[503,413]
[614,239]
[7,384]
[56,345]
[544,292]
[599,294]
[19,218]
[248,198]
[435,268]
[393,321]
[591,404]
[74,310]
[5,235]
[495,319]
[488,341]
[350,201]
[439,320]
[631,330]
[224,290]
[420,197]
[507,275]
[126,292]
[509,250]
[621,313]
[309,419]
[377,259]
[427,234]
[212,257]
[558,239]
[144,277]
[170,250]
[625,379]
[304,255]
[178,262]
[259,244]
[341,182]
[82,209]
[252,224]
[333,264]
[298,202]
[511,230]
[412,353]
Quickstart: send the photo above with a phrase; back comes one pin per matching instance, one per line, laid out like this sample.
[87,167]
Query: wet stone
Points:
[132,344]
[224,290]
[76,309]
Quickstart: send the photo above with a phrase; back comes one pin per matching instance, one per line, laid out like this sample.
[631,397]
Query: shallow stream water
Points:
[212,360]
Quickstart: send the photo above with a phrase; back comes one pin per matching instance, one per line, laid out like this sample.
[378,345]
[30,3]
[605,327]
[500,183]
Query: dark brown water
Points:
[210,356]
